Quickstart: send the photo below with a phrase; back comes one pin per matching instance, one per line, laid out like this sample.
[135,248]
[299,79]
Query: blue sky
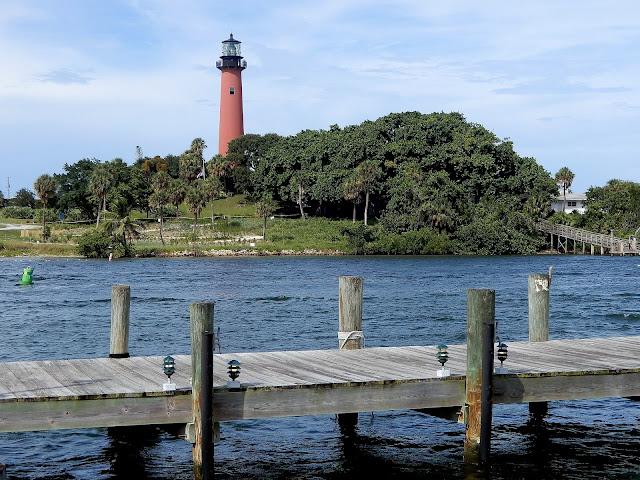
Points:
[95,78]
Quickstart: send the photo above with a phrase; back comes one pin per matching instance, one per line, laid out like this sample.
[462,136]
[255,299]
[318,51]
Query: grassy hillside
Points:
[236,230]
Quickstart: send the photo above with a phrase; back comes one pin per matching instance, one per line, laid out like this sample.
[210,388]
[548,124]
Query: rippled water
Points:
[291,303]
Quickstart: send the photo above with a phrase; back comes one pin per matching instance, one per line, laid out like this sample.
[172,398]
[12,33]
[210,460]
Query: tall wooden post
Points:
[480,332]
[120,308]
[3,471]
[350,328]
[539,287]
[201,317]
[539,307]
[206,405]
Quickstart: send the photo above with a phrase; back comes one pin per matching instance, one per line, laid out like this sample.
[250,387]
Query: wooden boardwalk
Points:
[615,245]
[102,392]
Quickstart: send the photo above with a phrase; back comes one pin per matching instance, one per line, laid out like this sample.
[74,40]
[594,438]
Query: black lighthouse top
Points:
[231,57]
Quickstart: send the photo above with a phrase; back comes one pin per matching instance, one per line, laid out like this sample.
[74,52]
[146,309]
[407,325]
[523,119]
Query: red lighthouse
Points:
[231,64]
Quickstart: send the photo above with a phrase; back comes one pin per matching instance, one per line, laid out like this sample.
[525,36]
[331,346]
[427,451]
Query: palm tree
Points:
[565,178]
[100,183]
[159,200]
[128,229]
[196,200]
[190,166]
[160,181]
[367,175]
[160,196]
[212,190]
[351,191]
[198,146]
[219,167]
[177,191]
[265,207]
[45,187]
[299,182]
[125,228]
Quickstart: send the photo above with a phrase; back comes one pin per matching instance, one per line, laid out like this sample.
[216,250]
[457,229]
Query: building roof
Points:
[572,196]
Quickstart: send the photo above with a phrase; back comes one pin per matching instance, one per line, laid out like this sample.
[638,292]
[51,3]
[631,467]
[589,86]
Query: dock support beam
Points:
[3,471]
[201,319]
[120,308]
[479,382]
[539,287]
[349,329]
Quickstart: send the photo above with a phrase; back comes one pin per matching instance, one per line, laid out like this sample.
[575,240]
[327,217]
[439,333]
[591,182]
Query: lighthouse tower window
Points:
[232,91]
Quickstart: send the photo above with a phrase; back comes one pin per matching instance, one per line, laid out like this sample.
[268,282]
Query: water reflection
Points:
[127,451]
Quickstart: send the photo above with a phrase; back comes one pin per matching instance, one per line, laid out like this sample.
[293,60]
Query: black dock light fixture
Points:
[442,357]
[234,372]
[169,368]
[502,356]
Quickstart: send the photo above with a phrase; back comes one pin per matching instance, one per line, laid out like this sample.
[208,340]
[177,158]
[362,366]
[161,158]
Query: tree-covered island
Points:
[406,183]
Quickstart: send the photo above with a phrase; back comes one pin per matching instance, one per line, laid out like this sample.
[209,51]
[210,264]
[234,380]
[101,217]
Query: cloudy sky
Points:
[95,78]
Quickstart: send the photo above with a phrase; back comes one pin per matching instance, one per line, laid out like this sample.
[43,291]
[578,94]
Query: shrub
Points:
[73,215]
[414,242]
[52,216]
[358,234]
[18,212]
[97,244]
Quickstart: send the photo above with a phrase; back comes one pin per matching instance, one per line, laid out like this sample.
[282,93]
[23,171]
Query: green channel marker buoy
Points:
[27,275]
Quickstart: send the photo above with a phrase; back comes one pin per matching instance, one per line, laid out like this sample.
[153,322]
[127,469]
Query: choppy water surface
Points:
[291,303]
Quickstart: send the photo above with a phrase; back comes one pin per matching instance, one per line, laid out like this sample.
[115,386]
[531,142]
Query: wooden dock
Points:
[103,392]
[128,391]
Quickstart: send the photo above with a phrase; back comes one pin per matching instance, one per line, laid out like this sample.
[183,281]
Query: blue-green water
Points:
[291,303]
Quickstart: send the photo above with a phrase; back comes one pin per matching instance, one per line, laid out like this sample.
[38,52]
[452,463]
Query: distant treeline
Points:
[413,182]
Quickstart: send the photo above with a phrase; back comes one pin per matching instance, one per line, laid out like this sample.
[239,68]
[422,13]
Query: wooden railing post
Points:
[201,320]
[120,308]
[480,333]
[539,287]
[350,328]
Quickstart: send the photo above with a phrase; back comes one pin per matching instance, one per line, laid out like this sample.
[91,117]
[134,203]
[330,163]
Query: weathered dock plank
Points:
[82,393]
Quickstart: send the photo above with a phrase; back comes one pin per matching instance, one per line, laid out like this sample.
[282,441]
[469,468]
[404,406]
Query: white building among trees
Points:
[569,202]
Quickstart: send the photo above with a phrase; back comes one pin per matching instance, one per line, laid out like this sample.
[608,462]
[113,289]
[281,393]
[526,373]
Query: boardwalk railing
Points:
[614,245]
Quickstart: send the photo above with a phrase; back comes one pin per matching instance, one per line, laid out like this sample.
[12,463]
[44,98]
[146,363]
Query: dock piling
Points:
[3,471]
[350,335]
[206,405]
[350,312]
[201,320]
[120,308]
[479,389]
[539,288]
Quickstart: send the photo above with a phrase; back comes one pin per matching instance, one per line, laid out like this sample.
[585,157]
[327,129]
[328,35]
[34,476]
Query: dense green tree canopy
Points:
[73,187]
[453,183]
[24,198]
[413,171]
[614,207]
